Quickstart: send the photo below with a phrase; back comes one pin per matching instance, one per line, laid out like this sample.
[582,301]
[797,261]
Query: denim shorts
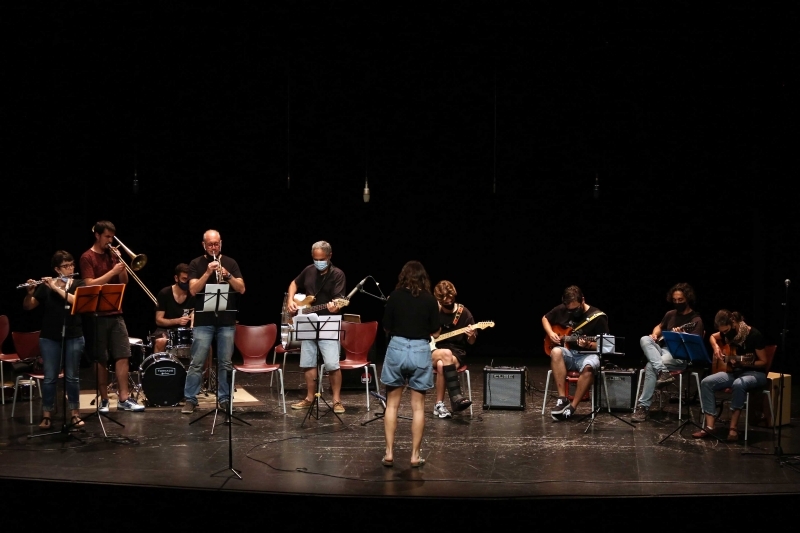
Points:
[577,361]
[408,360]
[329,350]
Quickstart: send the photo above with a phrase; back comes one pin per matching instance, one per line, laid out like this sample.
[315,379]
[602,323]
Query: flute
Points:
[34,283]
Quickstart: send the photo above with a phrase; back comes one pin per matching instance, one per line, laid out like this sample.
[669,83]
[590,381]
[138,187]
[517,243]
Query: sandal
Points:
[387,462]
[733,435]
[704,433]
[418,463]
[45,423]
[77,422]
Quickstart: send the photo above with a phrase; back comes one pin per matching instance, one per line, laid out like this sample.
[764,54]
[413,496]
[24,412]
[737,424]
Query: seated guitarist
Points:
[576,318]
[733,337]
[682,318]
[326,283]
[451,353]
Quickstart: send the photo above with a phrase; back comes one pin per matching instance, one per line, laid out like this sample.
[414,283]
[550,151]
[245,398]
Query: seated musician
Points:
[173,303]
[659,360]
[583,321]
[451,353]
[747,371]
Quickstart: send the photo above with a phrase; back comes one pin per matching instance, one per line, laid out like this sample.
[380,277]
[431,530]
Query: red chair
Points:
[5,328]
[356,340]
[27,346]
[255,343]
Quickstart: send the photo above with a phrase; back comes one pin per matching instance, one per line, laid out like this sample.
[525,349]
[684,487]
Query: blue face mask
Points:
[183,286]
[321,265]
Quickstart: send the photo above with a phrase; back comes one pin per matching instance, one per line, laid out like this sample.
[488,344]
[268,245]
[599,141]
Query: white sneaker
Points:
[103,406]
[441,411]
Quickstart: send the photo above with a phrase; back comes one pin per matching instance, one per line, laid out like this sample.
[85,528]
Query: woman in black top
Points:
[56,294]
[410,318]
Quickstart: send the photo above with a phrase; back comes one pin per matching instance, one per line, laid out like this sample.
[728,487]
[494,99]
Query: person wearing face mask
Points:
[682,318]
[325,282]
[172,301]
[451,353]
[215,268]
[584,322]
[734,332]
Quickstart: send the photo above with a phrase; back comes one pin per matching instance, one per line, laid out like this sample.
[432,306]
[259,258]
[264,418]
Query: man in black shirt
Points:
[573,318]
[659,360]
[325,283]
[451,353]
[175,308]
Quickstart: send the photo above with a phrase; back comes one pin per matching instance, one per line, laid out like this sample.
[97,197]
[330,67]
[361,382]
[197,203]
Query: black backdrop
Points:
[482,129]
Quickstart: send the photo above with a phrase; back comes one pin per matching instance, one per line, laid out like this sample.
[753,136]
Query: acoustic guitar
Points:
[686,328]
[729,356]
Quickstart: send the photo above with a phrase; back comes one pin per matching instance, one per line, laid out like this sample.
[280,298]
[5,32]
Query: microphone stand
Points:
[360,288]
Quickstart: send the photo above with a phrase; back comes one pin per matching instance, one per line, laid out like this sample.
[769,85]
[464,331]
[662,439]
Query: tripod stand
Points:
[607,349]
[92,300]
[314,328]
[380,416]
[689,347]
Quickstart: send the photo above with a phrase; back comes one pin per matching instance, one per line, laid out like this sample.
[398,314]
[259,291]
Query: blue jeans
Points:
[408,360]
[203,336]
[51,359]
[739,382]
[658,359]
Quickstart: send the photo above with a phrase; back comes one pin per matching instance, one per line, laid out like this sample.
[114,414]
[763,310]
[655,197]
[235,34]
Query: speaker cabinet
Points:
[504,387]
[621,387]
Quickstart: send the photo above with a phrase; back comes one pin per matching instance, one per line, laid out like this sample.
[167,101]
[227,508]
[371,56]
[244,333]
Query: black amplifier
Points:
[504,387]
[620,392]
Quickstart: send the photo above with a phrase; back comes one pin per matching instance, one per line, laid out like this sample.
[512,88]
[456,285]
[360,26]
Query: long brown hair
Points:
[414,278]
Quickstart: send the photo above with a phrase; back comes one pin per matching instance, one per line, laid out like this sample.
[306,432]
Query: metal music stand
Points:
[312,327]
[688,347]
[96,299]
[606,344]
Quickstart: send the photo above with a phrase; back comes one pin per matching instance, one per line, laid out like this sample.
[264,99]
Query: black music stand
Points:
[95,299]
[690,348]
[312,327]
[65,428]
[607,349]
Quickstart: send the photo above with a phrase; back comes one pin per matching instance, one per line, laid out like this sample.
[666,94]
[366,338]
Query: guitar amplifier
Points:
[621,389]
[504,387]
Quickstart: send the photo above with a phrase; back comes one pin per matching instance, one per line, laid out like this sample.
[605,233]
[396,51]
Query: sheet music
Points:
[210,303]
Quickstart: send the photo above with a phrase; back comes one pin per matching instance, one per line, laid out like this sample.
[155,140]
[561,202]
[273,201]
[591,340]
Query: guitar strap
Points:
[458,314]
[597,314]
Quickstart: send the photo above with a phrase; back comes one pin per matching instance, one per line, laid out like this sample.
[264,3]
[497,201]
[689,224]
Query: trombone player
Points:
[107,335]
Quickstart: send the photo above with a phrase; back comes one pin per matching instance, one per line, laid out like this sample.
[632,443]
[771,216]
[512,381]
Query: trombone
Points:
[137,263]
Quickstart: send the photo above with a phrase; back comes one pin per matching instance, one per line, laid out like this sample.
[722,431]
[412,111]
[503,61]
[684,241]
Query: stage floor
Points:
[499,456]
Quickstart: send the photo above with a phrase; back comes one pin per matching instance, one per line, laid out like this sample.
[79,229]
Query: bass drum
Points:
[163,379]
[288,339]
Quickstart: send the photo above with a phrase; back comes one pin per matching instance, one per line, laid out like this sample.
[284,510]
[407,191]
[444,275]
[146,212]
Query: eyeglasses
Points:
[213,244]
[67,265]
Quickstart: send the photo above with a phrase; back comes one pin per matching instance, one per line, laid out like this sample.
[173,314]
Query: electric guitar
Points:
[564,337]
[304,307]
[728,357]
[443,336]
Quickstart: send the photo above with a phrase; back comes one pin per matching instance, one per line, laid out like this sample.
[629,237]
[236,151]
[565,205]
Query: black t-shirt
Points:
[197,268]
[672,320]
[457,344]
[54,311]
[754,341]
[560,315]
[409,316]
[324,288]
[171,308]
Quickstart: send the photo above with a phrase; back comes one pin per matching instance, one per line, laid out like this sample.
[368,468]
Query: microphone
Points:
[366,191]
[357,287]
[787,282]
[596,186]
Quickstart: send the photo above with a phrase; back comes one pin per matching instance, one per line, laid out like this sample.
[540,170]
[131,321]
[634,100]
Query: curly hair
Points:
[727,318]
[573,293]
[444,290]
[686,289]
[414,278]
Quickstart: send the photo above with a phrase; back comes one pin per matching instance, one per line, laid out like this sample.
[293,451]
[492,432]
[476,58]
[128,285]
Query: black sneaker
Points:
[188,408]
[225,405]
[566,414]
[561,403]
[640,414]
[664,377]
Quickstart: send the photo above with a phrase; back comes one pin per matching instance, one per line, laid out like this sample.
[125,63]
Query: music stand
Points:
[95,299]
[312,327]
[690,348]
[606,344]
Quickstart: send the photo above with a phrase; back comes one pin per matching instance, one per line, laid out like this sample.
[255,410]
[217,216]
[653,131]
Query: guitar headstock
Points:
[341,302]
[688,327]
[483,325]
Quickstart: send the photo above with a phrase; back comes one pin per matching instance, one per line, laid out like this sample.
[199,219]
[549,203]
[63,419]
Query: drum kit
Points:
[162,375]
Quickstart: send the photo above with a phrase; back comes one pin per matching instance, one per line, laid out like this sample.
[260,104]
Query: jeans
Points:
[203,336]
[658,359]
[739,382]
[408,360]
[51,359]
